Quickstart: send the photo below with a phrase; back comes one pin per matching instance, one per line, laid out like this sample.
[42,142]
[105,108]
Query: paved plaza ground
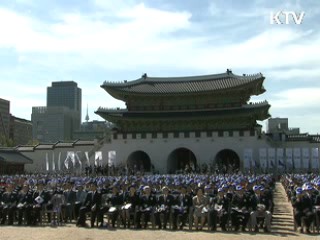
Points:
[73,233]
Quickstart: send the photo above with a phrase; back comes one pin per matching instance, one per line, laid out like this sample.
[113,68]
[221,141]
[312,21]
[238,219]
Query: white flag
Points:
[315,158]
[305,158]
[281,163]
[247,156]
[263,157]
[98,159]
[73,159]
[70,157]
[289,158]
[59,162]
[53,163]
[111,158]
[87,157]
[271,158]
[47,162]
[297,158]
[79,160]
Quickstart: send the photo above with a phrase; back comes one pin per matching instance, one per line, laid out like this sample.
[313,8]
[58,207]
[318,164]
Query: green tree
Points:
[6,141]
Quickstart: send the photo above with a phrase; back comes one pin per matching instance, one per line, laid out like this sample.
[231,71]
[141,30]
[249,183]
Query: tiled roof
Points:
[25,148]
[44,146]
[50,146]
[63,144]
[193,84]
[13,156]
[303,137]
[83,142]
[124,113]
[315,138]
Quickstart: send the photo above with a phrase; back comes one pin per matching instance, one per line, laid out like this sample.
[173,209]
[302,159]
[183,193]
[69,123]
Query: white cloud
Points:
[297,98]
[81,33]
[126,36]
[298,74]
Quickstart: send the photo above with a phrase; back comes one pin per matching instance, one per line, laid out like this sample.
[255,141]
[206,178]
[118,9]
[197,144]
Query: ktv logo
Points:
[286,17]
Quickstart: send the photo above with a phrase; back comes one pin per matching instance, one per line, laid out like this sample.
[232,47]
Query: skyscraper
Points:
[62,115]
[4,117]
[66,94]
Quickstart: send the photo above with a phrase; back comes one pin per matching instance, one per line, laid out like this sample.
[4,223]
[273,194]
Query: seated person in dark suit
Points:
[146,208]
[41,198]
[302,204]
[25,205]
[181,208]
[164,204]
[131,202]
[92,204]
[114,202]
[240,205]
[9,201]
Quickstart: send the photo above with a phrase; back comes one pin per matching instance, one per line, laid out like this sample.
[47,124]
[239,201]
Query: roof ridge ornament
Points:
[144,76]
[229,71]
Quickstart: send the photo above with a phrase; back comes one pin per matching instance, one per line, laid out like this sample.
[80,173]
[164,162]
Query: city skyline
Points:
[94,41]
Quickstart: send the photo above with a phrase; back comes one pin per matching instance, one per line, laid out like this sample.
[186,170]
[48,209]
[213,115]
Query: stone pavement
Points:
[282,221]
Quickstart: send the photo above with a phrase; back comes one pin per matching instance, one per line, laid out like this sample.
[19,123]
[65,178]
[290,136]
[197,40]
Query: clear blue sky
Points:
[91,41]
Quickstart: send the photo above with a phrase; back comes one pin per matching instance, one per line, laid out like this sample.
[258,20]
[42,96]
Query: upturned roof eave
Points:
[183,79]
[259,109]
[118,91]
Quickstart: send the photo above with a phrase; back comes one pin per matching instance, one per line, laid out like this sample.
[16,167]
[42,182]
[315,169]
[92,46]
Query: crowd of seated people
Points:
[303,192]
[195,202]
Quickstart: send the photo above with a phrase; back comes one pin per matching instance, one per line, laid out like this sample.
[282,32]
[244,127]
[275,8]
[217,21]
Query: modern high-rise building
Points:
[4,117]
[52,124]
[62,115]
[20,131]
[66,94]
